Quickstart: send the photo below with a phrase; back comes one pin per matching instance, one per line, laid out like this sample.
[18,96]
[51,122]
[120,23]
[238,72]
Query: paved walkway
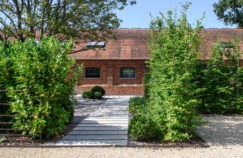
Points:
[105,126]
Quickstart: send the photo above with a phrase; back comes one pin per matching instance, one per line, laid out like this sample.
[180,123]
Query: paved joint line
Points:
[104,128]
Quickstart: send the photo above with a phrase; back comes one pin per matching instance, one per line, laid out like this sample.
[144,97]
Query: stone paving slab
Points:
[103,122]
[96,137]
[94,119]
[105,126]
[98,125]
[95,132]
[102,128]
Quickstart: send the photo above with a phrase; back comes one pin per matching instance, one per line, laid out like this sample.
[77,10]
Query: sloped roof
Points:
[131,44]
[211,36]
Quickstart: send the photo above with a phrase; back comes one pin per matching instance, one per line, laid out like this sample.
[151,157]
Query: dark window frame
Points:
[88,76]
[128,76]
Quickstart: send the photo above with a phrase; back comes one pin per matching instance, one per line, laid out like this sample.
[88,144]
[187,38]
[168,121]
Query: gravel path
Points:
[86,152]
[224,131]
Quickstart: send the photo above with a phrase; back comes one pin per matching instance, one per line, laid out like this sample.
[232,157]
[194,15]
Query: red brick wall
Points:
[110,77]
[114,90]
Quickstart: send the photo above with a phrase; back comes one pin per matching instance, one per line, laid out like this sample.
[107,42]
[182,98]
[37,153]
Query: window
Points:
[95,44]
[127,72]
[92,72]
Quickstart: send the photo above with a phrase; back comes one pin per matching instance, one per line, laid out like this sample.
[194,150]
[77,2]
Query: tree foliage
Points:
[230,11]
[76,18]
[39,84]
[221,80]
[172,100]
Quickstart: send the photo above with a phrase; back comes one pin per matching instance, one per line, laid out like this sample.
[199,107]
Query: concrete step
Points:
[104,122]
[101,128]
[106,118]
[95,137]
[80,132]
[122,115]
[99,125]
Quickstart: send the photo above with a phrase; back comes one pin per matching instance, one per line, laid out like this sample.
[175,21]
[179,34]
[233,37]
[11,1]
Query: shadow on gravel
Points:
[223,130]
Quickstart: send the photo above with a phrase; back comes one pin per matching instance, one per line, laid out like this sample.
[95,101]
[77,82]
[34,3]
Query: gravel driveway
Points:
[224,131]
[224,135]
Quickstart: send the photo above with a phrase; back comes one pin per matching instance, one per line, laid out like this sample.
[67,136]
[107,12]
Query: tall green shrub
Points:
[43,77]
[222,83]
[3,76]
[6,79]
[172,93]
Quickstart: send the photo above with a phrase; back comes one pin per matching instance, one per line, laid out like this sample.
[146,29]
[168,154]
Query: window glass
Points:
[92,72]
[95,44]
[127,72]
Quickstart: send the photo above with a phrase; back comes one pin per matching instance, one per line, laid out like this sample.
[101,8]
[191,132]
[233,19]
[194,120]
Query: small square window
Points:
[127,72]
[92,72]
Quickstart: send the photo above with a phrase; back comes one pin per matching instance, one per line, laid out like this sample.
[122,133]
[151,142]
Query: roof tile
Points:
[131,44]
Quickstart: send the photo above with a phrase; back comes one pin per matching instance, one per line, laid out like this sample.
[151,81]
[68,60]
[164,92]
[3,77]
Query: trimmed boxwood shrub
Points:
[97,95]
[98,89]
[88,95]
[96,92]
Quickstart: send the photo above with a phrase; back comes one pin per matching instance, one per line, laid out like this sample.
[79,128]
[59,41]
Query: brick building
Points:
[119,64]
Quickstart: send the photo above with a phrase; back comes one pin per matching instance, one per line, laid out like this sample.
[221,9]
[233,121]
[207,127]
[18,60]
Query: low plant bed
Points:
[143,131]
[194,142]
[85,105]
[23,141]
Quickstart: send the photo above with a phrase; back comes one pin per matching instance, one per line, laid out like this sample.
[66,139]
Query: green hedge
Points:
[40,80]
[170,112]
[221,83]
[136,104]
[98,89]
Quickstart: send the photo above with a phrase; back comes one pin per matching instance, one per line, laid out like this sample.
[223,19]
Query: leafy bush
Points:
[98,89]
[97,95]
[135,104]
[221,84]
[88,95]
[142,127]
[172,97]
[39,84]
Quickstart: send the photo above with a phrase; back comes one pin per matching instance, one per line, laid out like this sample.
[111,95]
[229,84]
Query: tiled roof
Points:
[131,44]
[211,36]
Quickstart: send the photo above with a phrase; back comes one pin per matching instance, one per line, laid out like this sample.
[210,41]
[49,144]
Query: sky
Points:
[138,16]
